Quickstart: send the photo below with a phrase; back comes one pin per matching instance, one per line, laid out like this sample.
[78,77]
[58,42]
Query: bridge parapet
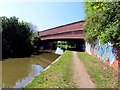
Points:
[69,31]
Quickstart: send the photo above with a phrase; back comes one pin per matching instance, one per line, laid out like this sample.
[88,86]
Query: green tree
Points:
[103,22]
[16,38]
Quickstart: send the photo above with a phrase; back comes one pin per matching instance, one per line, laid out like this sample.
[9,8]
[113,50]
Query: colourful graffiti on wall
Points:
[105,52]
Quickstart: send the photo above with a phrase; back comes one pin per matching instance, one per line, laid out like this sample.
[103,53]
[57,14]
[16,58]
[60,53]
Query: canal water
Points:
[16,72]
[59,51]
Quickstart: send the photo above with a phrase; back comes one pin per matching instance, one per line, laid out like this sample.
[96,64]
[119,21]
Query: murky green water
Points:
[19,71]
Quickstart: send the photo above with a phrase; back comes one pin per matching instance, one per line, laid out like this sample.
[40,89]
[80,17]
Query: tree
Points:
[16,38]
[103,22]
[37,43]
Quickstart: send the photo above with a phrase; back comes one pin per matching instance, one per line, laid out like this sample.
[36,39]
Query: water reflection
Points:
[36,69]
[59,51]
[17,72]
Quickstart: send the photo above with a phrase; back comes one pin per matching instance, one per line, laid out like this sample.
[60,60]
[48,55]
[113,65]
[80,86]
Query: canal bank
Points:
[44,69]
[59,75]
[16,72]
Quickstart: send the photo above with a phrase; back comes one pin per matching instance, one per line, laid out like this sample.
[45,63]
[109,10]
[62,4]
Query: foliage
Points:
[66,44]
[37,43]
[103,22]
[16,38]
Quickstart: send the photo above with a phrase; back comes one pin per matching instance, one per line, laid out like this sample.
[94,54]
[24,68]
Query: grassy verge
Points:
[58,75]
[101,74]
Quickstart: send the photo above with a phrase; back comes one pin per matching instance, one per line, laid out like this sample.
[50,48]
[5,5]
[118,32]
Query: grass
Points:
[59,75]
[101,74]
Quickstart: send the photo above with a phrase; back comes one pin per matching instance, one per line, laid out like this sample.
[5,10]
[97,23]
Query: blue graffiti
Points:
[101,51]
[104,52]
[107,49]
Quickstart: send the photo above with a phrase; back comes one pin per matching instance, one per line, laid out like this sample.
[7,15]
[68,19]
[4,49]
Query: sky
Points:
[44,15]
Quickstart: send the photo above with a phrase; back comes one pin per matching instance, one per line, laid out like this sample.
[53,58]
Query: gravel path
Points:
[80,75]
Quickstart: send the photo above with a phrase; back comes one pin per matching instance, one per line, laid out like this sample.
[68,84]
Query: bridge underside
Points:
[49,43]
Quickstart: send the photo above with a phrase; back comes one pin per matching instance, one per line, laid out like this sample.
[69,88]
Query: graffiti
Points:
[104,52]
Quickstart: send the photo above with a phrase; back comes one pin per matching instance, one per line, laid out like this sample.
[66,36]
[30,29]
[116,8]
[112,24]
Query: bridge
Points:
[69,31]
[73,32]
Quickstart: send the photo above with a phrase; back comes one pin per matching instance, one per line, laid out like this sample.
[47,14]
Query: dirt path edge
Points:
[80,75]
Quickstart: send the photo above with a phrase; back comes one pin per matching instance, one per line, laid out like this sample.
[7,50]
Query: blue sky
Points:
[44,15]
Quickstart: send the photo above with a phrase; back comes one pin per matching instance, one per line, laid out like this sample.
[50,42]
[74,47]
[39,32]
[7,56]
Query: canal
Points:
[16,72]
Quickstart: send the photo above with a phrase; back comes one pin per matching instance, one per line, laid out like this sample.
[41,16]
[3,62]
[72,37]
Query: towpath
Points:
[80,76]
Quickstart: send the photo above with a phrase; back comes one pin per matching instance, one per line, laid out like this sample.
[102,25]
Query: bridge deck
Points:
[69,31]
